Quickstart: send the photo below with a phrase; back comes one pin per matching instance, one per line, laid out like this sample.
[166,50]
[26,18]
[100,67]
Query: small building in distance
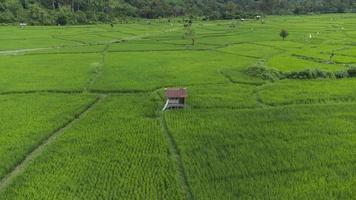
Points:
[22,25]
[176,98]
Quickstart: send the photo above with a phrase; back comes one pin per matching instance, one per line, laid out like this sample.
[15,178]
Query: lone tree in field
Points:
[190,34]
[284,34]
[189,31]
[331,56]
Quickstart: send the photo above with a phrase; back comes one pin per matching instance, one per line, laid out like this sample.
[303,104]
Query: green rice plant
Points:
[252,50]
[222,96]
[308,91]
[115,152]
[241,136]
[275,153]
[137,71]
[69,72]
[29,119]
[219,96]
[289,63]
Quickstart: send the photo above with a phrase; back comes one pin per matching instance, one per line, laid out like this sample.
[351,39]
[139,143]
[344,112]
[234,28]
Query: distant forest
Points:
[45,12]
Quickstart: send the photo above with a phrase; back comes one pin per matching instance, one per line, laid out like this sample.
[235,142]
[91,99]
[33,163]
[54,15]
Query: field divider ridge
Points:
[259,100]
[99,68]
[42,91]
[18,169]
[175,154]
[232,81]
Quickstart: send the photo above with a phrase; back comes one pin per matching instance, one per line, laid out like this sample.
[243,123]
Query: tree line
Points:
[45,12]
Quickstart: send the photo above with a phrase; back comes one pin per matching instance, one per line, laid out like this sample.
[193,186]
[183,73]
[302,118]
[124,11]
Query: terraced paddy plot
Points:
[149,45]
[222,96]
[47,72]
[266,118]
[29,38]
[48,37]
[117,152]
[306,92]
[252,50]
[28,119]
[76,49]
[288,62]
[283,153]
[139,72]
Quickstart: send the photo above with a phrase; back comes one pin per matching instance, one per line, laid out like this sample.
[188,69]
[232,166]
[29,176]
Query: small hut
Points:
[23,25]
[176,98]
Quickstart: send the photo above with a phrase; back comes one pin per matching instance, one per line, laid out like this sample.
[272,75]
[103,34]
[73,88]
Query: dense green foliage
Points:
[265,119]
[64,12]
[273,74]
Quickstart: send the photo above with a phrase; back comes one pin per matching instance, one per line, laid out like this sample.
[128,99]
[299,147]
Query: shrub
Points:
[352,72]
[264,73]
[64,16]
[38,15]
[320,74]
[80,17]
[273,74]
[330,75]
[6,17]
[341,74]
[61,20]
[284,34]
[309,74]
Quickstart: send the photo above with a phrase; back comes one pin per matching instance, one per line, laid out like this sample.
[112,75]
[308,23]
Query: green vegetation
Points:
[117,152]
[63,12]
[55,72]
[265,118]
[278,153]
[306,91]
[29,119]
[284,34]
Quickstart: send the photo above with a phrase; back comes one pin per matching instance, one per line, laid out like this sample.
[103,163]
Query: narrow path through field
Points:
[68,40]
[17,51]
[237,54]
[173,148]
[258,98]
[38,150]
[232,81]
[41,91]
[98,69]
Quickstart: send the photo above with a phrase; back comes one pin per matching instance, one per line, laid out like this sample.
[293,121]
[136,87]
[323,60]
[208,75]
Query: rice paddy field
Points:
[81,110]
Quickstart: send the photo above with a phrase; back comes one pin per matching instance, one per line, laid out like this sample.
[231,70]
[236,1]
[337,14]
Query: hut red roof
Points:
[176,93]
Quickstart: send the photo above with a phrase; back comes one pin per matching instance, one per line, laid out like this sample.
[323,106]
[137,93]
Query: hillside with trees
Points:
[46,12]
